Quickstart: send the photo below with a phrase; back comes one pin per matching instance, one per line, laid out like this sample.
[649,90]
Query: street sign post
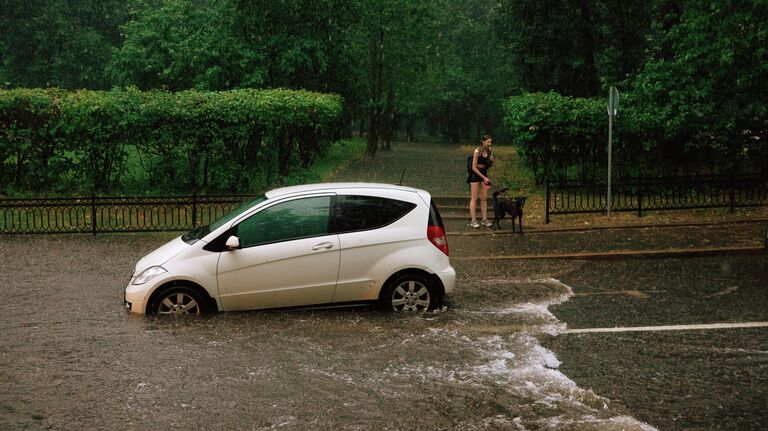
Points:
[613,109]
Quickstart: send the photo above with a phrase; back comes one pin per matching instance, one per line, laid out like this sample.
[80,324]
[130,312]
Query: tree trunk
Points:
[389,119]
[284,145]
[590,82]
[377,60]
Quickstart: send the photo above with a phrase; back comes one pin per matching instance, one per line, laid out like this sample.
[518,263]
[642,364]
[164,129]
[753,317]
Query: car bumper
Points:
[135,298]
[448,278]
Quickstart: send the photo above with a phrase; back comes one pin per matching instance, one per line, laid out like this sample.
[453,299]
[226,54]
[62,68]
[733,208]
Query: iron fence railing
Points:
[112,214]
[653,194]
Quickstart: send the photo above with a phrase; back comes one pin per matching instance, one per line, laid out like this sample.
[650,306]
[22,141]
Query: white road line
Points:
[669,328]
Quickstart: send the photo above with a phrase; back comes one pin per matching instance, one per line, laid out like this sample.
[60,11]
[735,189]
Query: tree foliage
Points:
[63,43]
[693,70]
[705,80]
[177,45]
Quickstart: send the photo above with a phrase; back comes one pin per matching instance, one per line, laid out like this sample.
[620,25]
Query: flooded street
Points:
[72,358]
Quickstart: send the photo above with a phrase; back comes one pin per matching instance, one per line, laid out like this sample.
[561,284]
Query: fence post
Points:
[733,195]
[194,210]
[639,196]
[93,213]
[547,216]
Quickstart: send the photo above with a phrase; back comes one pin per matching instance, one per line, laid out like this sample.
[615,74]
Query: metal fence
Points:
[654,194]
[113,214]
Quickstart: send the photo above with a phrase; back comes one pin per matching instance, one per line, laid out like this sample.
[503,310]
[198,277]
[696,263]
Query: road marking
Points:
[633,293]
[669,328]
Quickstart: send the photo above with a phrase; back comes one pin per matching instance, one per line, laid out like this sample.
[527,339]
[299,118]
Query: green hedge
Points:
[563,137]
[95,141]
[555,133]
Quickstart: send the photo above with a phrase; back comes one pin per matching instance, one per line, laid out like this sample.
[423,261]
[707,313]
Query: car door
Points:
[369,236]
[286,257]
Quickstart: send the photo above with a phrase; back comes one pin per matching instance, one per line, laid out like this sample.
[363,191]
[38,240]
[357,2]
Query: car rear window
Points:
[355,213]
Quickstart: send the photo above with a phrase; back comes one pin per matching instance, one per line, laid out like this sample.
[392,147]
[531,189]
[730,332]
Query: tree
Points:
[705,79]
[391,39]
[182,44]
[621,35]
[472,75]
[303,43]
[552,43]
[57,42]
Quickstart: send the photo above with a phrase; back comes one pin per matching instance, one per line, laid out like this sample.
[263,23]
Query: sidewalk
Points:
[614,243]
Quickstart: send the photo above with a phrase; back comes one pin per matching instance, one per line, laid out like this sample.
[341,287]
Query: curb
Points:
[628,254]
[534,230]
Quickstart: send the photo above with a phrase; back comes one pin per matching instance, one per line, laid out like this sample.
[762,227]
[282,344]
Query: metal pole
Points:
[547,222]
[613,107]
[610,152]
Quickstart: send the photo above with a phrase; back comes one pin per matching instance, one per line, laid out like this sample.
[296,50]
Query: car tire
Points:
[409,292]
[178,300]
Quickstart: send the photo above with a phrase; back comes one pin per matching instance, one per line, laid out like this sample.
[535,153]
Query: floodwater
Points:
[72,358]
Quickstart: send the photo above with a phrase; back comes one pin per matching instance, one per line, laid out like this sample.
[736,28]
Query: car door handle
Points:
[323,245]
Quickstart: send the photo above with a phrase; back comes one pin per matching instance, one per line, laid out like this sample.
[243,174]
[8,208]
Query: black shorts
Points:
[474,178]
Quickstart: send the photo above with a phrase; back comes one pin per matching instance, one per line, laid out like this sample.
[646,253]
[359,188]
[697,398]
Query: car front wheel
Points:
[409,292]
[176,301]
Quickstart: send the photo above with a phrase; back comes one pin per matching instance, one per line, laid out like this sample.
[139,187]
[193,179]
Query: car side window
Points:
[355,213]
[299,218]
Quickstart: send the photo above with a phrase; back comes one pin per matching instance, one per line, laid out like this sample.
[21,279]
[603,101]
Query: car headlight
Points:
[148,274]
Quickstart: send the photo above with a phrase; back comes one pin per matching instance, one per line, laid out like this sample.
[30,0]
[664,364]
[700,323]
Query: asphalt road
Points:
[683,359]
[524,343]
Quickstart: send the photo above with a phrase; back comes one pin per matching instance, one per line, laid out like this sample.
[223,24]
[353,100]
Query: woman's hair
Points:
[485,138]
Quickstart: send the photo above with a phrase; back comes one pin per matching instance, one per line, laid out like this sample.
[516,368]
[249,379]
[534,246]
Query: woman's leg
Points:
[483,201]
[473,190]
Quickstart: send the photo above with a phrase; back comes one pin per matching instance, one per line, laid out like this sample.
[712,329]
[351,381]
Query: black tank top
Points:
[485,161]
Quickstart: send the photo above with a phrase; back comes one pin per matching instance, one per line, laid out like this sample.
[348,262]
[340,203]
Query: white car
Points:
[310,245]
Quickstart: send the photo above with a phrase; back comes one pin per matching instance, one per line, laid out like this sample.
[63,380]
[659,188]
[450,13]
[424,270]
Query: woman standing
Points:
[479,183]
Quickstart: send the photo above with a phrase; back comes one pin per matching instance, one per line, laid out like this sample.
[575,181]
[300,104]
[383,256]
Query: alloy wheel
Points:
[411,295]
[178,303]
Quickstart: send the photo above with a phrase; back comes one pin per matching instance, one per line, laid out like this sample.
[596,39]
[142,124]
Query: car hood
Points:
[162,254]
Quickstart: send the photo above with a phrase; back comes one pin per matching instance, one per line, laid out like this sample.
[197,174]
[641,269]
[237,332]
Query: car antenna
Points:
[401,178]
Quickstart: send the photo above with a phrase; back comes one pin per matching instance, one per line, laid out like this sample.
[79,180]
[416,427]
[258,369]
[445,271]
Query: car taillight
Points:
[436,235]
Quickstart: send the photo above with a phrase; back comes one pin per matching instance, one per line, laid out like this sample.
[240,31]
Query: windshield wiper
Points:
[196,234]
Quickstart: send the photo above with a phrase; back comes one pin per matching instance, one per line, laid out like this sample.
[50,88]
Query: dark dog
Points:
[504,205]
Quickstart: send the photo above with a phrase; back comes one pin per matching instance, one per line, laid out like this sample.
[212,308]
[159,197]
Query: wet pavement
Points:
[487,242]
[497,357]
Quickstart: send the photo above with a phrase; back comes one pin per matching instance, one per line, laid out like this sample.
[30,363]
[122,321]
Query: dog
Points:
[504,205]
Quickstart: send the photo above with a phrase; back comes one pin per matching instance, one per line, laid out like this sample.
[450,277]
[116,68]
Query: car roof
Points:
[331,187]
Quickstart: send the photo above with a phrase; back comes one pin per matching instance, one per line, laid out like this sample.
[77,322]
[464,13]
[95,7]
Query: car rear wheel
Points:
[409,292]
[178,300]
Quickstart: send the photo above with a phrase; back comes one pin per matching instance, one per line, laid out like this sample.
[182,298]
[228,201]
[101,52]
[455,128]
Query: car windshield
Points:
[199,232]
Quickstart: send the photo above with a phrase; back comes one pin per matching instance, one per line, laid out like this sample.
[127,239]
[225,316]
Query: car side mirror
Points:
[232,243]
